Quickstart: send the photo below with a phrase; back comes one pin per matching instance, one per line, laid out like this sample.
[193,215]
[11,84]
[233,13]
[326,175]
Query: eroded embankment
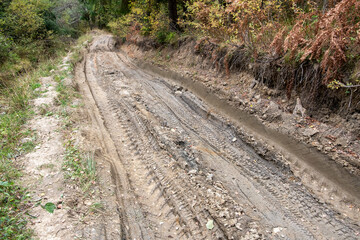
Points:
[181,171]
[332,182]
[228,73]
[323,155]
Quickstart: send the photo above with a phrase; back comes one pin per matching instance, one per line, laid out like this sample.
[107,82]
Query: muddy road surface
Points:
[182,172]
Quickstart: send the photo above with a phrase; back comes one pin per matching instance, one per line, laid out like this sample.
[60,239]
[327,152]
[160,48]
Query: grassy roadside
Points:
[78,165]
[16,140]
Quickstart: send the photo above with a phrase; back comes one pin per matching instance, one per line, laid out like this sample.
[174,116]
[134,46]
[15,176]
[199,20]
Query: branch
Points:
[348,86]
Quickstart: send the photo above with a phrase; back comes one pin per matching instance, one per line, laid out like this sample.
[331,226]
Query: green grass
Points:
[64,91]
[14,204]
[79,167]
[97,207]
[80,44]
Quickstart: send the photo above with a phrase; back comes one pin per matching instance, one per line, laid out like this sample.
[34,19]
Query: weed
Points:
[97,207]
[14,203]
[76,55]
[64,91]
[35,85]
[79,167]
[28,146]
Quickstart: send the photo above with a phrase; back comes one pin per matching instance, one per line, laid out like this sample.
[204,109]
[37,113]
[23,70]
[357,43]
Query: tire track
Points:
[179,166]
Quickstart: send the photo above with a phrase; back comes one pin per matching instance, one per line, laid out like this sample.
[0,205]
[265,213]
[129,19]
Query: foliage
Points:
[6,45]
[239,19]
[30,30]
[331,38]
[24,19]
[120,26]
[12,223]
[149,18]
[50,207]
[101,12]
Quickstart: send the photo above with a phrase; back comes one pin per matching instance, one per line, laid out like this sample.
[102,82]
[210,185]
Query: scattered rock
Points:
[253,83]
[209,177]
[277,230]
[272,112]
[232,222]
[238,226]
[309,132]
[193,171]
[341,142]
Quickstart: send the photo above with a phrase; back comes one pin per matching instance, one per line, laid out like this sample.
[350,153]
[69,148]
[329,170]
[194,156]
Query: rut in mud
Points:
[179,168]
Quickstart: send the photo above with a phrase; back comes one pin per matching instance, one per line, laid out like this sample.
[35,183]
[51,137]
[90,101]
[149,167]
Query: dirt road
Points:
[182,172]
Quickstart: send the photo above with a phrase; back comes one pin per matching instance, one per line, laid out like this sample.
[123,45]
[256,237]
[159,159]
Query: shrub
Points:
[326,38]
[5,47]
[24,19]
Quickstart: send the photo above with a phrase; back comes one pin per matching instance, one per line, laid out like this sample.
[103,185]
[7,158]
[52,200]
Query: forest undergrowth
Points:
[307,48]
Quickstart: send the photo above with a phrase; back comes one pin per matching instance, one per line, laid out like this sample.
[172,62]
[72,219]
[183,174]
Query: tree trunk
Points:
[124,7]
[172,6]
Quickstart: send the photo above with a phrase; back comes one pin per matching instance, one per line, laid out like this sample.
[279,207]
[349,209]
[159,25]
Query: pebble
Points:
[209,177]
[238,226]
[193,171]
[277,230]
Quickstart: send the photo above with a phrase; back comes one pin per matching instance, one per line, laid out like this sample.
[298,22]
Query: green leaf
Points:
[50,207]
[6,184]
[210,224]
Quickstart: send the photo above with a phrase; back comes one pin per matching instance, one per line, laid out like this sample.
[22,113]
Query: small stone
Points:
[277,230]
[193,171]
[232,222]
[341,142]
[328,149]
[234,139]
[209,177]
[253,83]
[238,226]
[309,132]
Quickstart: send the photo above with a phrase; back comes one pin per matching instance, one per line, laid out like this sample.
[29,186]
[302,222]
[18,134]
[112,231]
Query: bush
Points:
[332,38]
[5,47]
[24,19]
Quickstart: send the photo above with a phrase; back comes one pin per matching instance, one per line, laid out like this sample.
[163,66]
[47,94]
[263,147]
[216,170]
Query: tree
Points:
[172,6]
